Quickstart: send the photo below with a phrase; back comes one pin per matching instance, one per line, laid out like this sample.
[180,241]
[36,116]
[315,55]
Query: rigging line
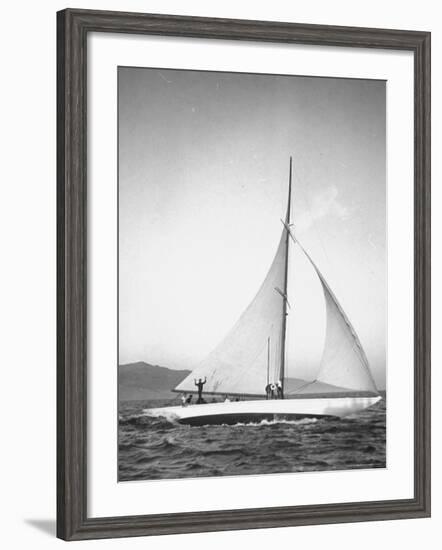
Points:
[268,359]
[286,354]
[251,363]
[269,354]
[309,209]
[276,351]
[277,365]
[307,202]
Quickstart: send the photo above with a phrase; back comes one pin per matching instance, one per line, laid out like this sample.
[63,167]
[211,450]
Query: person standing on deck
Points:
[279,389]
[199,384]
[270,391]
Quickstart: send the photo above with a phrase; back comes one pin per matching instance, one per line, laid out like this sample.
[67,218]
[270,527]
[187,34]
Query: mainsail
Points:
[253,352]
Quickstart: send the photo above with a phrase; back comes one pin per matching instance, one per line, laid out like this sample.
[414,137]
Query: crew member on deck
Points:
[186,399]
[279,389]
[268,392]
[199,384]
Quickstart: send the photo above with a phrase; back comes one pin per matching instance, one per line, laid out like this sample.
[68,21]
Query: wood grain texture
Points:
[72,29]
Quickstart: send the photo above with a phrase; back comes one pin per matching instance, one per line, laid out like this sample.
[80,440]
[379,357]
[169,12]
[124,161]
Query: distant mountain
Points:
[138,381]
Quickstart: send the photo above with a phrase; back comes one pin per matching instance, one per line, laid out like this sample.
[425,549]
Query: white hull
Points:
[234,412]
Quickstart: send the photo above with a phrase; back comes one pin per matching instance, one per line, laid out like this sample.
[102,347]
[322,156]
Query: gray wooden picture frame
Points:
[73,27]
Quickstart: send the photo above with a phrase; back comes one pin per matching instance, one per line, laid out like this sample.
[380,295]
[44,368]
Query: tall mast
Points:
[286,270]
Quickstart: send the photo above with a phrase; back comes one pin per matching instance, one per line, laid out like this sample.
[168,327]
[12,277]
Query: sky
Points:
[203,181]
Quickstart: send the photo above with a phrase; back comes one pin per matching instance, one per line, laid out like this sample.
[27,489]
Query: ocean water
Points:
[154,448]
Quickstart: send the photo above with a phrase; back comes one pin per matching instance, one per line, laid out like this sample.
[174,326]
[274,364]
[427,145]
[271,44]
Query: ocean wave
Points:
[300,422]
[160,448]
[142,419]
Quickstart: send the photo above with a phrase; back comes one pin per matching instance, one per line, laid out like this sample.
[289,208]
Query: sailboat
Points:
[249,365]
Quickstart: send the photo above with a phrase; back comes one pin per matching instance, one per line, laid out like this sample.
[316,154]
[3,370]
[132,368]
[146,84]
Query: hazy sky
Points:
[203,179]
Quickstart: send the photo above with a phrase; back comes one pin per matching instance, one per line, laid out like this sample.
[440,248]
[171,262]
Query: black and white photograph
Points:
[252,273]
[220,236]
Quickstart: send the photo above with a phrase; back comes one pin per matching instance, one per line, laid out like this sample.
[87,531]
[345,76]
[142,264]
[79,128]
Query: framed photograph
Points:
[243,274]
